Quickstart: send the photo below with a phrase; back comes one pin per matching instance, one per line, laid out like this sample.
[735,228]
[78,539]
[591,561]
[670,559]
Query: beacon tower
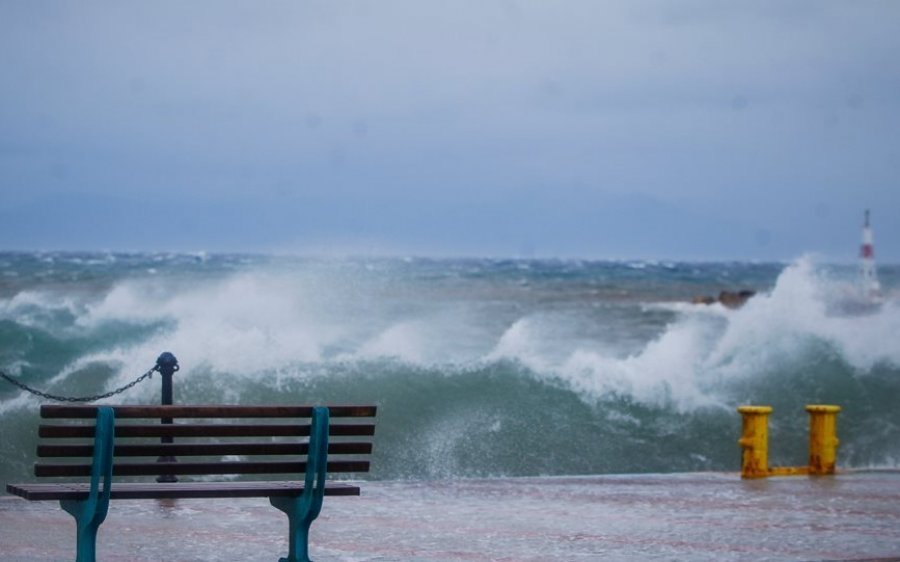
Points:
[871,289]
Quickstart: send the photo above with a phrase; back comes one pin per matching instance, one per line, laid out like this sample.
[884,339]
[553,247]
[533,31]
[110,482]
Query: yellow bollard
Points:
[823,441]
[754,441]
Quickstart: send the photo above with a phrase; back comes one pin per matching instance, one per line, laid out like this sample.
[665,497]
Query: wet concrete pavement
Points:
[703,516]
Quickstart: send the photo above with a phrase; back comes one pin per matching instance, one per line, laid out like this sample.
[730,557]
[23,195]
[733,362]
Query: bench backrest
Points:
[203,440]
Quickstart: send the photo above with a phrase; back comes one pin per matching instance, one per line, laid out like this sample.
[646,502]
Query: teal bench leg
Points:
[303,509]
[91,512]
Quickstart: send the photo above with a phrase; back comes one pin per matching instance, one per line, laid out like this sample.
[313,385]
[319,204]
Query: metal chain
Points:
[119,390]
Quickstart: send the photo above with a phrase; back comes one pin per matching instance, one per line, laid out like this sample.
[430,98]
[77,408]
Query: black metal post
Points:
[167,364]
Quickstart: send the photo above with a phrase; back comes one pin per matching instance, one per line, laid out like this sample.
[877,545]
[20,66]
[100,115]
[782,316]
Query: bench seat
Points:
[218,445]
[174,490]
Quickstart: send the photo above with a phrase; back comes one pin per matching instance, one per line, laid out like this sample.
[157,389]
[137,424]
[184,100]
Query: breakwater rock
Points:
[729,299]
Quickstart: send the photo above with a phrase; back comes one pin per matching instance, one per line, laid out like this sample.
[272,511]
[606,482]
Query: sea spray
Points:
[479,367]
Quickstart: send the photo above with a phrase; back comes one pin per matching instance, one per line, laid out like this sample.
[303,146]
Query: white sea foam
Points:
[780,324]
[405,341]
[253,323]
[490,353]
[263,322]
[20,402]
[669,369]
[706,346]
[39,309]
[246,323]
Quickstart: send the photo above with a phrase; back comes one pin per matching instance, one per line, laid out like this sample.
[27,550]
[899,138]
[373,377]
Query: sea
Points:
[479,367]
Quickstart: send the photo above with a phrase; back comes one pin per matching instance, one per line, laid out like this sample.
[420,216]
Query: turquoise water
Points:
[480,367]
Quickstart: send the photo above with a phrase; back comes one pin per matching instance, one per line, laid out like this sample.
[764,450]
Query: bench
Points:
[115,445]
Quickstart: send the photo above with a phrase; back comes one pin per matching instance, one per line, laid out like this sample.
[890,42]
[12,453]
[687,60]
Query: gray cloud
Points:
[744,114]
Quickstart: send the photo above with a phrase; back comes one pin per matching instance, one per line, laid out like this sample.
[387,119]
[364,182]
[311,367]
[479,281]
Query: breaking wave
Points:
[479,367]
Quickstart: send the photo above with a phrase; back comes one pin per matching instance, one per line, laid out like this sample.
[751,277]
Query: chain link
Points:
[119,390]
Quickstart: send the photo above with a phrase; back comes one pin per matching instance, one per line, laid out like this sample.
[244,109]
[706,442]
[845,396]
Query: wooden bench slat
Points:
[202,449]
[51,411]
[288,442]
[176,490]
[205,430]
[198,468]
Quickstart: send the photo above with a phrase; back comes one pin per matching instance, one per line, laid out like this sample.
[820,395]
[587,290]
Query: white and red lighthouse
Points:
[871,288]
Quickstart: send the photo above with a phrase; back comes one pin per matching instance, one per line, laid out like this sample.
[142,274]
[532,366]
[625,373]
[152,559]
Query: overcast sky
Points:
[568,128]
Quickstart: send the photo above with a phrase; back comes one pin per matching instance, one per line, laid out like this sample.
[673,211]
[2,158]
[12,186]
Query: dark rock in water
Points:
[735,300]
[729,299]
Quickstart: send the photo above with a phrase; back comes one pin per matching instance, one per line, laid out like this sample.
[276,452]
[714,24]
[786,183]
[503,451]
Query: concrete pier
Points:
[684,517]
